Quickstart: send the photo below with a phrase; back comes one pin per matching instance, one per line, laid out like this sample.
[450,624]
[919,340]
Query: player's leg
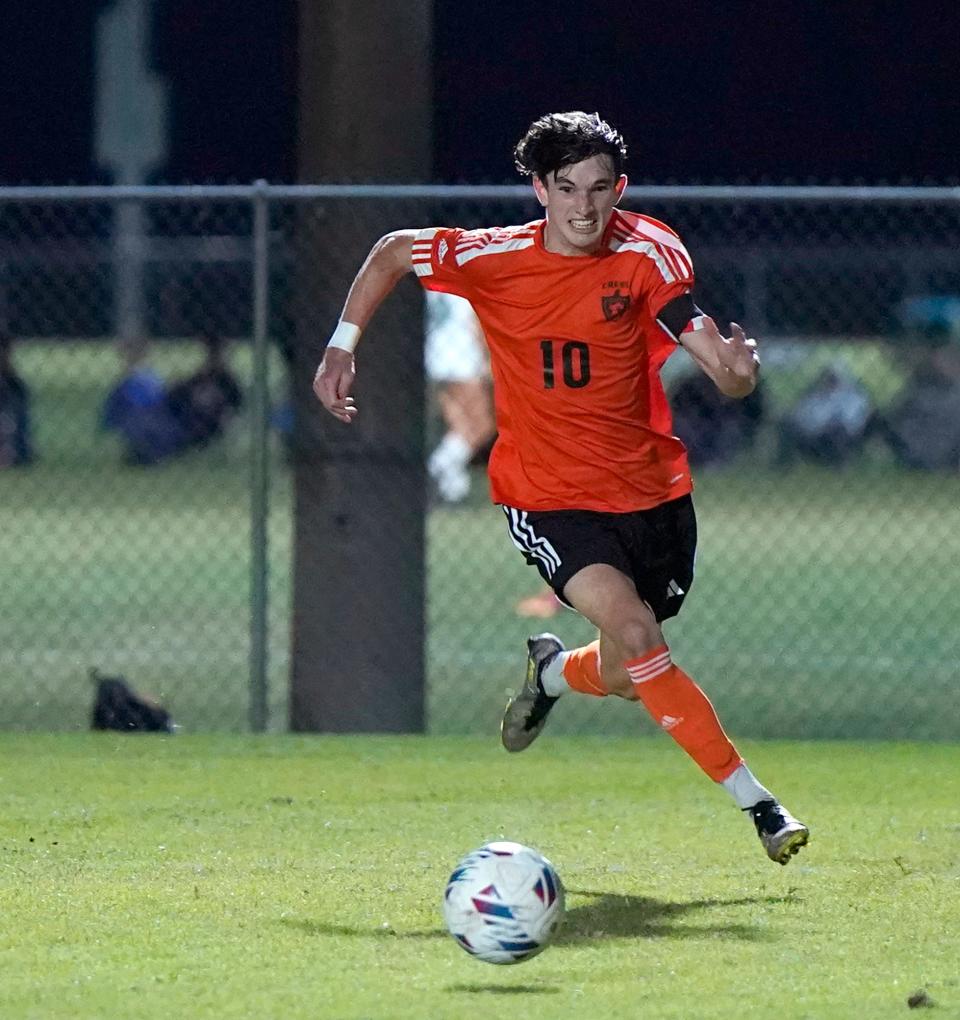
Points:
[447,464]
[455,361]
[631,660]
[636,663]
[467,413]
[639,666]
[558,544]
[580,551]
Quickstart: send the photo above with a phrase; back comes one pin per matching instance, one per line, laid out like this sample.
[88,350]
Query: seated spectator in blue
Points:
[16,448]
[136,409]
[158,421]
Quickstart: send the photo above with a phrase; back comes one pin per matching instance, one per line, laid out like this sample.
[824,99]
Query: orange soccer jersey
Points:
[576,352]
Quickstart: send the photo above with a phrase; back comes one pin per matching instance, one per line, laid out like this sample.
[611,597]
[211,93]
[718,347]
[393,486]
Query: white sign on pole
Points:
[131,99]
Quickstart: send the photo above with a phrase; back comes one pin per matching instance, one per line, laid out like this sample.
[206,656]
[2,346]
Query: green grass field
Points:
[217,877]
[825,604]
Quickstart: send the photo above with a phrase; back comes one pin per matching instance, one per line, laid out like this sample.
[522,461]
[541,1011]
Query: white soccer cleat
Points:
[781,834]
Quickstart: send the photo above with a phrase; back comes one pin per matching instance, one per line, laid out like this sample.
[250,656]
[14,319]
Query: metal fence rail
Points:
[828,579]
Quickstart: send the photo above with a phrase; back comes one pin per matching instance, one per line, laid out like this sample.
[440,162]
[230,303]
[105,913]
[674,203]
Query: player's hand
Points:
[738,354]
[333,382]
[731,362]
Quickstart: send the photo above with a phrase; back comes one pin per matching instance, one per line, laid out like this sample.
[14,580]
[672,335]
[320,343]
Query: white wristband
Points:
[345,336]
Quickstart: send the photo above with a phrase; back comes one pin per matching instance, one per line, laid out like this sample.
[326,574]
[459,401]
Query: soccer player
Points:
[580,311]
[455,358]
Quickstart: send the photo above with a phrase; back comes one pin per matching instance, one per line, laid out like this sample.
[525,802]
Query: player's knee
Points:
[633,637]
[638,637]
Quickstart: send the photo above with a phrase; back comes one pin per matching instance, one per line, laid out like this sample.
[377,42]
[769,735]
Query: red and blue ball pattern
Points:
[503,903]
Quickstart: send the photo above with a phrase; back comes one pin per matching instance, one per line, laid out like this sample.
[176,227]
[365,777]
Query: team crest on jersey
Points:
[614,305]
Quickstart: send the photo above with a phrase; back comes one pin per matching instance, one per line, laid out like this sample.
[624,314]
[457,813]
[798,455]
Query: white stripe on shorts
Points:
[527,541]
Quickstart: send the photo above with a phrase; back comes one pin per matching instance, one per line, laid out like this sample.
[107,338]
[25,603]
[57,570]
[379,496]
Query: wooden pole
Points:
[359,589]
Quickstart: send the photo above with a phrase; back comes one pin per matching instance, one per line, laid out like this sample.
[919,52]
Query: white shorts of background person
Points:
[455,358]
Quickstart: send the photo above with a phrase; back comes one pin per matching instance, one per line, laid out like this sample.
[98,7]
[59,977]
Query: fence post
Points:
[128,257]
[259,479]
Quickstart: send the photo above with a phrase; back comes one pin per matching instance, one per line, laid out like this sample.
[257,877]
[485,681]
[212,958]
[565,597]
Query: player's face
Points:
[579,200]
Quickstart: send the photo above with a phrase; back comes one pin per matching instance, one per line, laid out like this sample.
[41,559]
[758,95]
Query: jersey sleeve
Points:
[669,272]
[434,262]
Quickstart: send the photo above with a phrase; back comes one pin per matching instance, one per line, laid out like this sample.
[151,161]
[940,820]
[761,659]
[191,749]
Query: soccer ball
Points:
[503,903]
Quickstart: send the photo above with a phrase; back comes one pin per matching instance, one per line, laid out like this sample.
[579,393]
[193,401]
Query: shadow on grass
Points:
[605,916]
[321,928]
[614,916]
[474,988]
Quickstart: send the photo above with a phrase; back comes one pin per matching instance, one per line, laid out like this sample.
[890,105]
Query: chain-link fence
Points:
[155,431]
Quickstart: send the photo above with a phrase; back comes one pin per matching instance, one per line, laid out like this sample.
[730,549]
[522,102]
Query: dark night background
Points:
[848,91]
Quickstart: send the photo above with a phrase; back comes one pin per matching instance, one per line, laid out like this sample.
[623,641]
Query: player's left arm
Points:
[732,363]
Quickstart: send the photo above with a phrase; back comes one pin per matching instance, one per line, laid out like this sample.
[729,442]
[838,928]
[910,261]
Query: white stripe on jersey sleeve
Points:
[421,252]
[658,234]
[649,249]
[686,263]
[675,262]
[628,232]
[514,244]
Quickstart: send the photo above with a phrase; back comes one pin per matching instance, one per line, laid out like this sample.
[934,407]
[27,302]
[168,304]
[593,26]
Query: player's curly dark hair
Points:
[561,139]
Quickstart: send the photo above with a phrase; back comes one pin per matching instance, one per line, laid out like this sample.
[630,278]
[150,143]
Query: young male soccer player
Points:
[580,311]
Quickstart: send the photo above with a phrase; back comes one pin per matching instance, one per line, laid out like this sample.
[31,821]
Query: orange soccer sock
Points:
[581,670]
[681,708]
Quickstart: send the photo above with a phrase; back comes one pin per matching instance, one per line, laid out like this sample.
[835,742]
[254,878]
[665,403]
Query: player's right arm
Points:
[388,262]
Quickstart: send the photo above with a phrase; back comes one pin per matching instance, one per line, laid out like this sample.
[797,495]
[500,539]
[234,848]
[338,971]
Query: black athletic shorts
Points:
[655,548]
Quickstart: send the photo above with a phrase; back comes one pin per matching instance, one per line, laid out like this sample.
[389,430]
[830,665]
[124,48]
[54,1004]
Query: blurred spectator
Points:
[282,414]
[455,356]
[931,320]
[829,422]
[714,428]
[136,409]
[16,448]
[157,422]
[541,606]
[204,403]
[922,427]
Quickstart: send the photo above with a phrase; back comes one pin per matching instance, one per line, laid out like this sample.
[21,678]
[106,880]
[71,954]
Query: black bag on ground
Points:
[117,706]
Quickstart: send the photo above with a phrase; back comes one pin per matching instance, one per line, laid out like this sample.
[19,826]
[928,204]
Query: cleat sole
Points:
[792,846]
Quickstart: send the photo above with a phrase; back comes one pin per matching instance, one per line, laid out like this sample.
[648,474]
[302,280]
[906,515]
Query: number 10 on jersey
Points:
[574,362]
